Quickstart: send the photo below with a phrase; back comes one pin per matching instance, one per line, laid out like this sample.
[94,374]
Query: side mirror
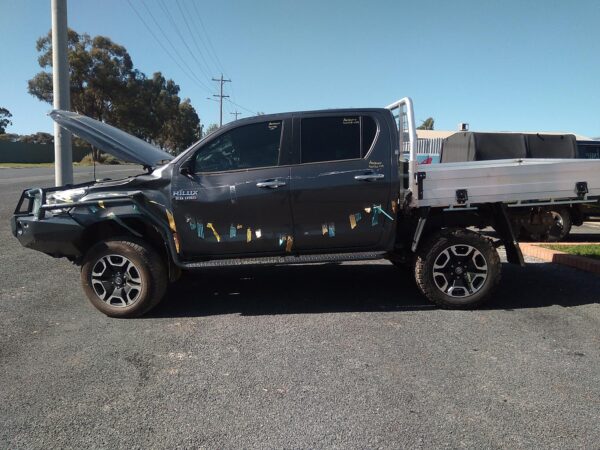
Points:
[185,170]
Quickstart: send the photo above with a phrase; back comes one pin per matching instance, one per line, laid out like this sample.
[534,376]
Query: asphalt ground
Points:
[346,356]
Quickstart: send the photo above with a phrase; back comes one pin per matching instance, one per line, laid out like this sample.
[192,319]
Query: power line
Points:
[192,54]
[194,32]
[214,53]
[221,97]
[244,108]
[236,113]
[159,42]
[190,73]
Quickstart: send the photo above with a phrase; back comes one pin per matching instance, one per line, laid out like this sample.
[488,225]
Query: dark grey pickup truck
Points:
[301,187]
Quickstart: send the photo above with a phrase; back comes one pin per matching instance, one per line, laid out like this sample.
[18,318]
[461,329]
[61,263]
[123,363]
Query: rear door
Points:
[235,200]
[341,184]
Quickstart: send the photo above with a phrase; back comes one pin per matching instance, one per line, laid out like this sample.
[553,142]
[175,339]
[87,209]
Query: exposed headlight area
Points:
[66,196]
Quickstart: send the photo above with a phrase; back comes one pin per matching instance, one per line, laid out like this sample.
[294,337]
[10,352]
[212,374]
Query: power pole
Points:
[236,114]
[63,153]
[221,97]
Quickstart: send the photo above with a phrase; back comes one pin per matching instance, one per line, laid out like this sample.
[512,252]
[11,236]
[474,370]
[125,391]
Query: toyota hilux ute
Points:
[300,187]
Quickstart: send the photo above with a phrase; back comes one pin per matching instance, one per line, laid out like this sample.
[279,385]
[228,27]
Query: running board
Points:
[274,260]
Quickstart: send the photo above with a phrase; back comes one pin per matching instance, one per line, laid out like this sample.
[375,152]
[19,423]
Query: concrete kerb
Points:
[556,256]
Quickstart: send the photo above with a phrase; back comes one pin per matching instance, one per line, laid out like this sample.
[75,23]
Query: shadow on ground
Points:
[333,288]
[583,237]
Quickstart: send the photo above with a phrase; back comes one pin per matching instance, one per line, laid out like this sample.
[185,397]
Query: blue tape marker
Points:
[200,230]
[232,231]
[331,230]
[375,218]
[357,217]
[380,209]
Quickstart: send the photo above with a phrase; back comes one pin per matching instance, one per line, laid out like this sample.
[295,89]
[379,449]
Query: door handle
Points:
[369,177]
[270,184]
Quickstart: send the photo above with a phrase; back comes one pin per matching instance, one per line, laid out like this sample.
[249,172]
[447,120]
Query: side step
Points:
[274,260]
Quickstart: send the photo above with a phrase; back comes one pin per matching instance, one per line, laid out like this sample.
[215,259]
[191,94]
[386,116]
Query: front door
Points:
[234,198]
[341,188]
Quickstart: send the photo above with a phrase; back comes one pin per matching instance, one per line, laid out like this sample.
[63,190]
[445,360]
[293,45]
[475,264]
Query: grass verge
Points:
[33,165]
[24,165]
[588,250]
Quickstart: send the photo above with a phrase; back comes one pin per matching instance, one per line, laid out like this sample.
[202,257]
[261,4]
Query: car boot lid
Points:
[110,139]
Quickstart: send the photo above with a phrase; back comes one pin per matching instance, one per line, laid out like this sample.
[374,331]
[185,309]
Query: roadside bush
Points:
[102,159]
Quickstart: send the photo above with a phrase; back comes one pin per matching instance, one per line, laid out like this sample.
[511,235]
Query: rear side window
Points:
[336,138]
[245,147]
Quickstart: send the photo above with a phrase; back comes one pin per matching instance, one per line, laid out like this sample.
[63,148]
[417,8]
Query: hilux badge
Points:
[185,195]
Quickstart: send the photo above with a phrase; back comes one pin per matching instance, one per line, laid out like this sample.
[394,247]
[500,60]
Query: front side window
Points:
[245,147]
[336,138]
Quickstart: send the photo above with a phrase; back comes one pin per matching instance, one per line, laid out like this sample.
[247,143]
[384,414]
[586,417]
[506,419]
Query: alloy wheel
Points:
[460,271]
[116,280]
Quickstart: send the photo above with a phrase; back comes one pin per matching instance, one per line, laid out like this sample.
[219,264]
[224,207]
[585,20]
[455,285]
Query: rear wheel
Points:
[457,268]
[123,277]
[561,227]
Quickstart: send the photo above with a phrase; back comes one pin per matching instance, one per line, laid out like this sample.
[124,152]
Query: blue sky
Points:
[498,65]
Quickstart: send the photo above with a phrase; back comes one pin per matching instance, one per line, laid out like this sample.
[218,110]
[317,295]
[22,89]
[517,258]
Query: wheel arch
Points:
[136,227]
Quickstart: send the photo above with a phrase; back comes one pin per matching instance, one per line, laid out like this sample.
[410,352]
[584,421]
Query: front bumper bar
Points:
[57,236]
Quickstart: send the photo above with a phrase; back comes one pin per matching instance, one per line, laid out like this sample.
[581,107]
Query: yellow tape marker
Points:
[324,229]
[368,210]
[248,234]
[176,240]
[171,220]
[211,227]
[101,204]
[394,206]
[352,221]
[258,234]
[239,227]
[289,244]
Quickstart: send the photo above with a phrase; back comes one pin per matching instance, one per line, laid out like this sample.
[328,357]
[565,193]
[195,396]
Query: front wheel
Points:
[123,277]
[457,268]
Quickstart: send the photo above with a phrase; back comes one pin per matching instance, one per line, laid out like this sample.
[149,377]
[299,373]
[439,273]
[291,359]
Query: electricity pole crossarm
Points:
[236,113]
[221,97]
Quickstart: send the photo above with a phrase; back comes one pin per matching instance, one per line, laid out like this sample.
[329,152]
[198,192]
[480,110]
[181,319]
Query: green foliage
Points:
[9,137]
[88,160]
[105,86]
[5,116]
[210,129]
[37,138]
[427,124]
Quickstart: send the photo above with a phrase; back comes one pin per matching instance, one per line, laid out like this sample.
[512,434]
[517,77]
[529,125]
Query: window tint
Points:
[369,130]
[245,147]
[336,138]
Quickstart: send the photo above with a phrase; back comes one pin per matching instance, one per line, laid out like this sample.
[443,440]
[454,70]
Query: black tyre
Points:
[457,268]
[561,226]
[123,277]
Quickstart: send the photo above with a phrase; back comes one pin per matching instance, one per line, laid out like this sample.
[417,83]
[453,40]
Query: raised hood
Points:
[110,139]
